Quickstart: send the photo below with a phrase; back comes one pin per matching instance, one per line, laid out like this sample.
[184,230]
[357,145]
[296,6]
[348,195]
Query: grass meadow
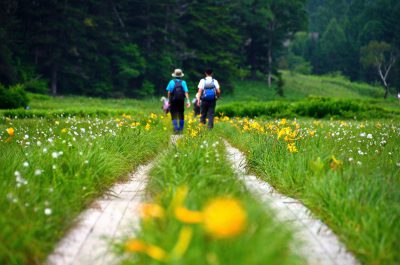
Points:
[336,151]
[53,167]
[346,172]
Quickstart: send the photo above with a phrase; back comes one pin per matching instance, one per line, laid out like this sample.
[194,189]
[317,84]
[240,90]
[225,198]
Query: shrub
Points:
[13,97]
[315,107]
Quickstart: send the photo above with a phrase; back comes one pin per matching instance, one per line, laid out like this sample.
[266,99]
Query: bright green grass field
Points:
[53,167]
[347,173]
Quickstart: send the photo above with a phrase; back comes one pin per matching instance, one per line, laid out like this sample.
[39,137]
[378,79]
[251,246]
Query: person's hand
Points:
[187,104]
[198,103]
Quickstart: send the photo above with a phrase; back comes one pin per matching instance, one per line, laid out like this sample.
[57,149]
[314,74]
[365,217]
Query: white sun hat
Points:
[178,73]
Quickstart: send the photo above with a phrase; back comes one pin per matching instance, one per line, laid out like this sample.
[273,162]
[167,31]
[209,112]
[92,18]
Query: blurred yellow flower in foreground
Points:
[224,218]
[64,130]
[187,216]
[10,131]
[135,245]
[152,210]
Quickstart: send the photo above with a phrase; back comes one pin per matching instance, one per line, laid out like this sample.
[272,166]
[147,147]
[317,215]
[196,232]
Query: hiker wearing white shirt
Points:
[209,92]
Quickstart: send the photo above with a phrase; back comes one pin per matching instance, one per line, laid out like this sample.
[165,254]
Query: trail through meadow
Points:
[117,213]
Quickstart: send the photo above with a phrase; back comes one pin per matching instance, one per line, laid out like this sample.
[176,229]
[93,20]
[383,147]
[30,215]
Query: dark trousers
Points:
[207,111]
[177,110]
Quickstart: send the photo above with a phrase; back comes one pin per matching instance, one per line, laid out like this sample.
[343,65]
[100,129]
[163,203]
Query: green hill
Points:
[298,86]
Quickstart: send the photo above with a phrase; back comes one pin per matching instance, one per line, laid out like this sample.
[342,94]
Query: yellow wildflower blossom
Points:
[152,210]
[224,218]
[292,148]
[64,130]
[147,127]
[187,216]
[335,164]
[10,131]
[155,252]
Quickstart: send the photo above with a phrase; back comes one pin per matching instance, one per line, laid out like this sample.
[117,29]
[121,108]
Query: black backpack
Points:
[178,93]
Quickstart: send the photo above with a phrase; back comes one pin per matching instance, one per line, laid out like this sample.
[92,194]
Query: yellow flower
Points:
[135,124]
[224,218]
[152,210]
[10,131]
[312,133]
[64,130]
[292,148]
[135,245]
[187,216]
[185,236]
[155,252]
[282,122]
[283,131]
[147,127]
[194,133]
[335,164]
[57,123]
[153,116]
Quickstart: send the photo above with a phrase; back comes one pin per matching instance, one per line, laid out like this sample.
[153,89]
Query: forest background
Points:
[129,48]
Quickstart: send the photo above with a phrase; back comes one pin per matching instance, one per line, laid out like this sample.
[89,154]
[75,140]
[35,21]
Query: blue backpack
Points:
[209,91]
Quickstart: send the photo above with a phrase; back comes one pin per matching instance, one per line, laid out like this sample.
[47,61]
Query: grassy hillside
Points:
[299,86]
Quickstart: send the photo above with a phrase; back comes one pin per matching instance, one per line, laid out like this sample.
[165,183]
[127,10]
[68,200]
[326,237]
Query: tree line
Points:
[129,47]
[358,38]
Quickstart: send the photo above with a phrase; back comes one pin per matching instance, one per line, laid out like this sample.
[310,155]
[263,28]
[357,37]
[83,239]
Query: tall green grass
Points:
[53,167]
[357,196]
[200,165]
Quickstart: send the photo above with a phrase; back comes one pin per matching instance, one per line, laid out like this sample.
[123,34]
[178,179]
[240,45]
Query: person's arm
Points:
[199,92]
[187,100]
[169,90]
[218,90]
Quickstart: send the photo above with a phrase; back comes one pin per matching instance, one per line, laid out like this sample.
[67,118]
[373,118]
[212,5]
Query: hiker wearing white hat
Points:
[177,93]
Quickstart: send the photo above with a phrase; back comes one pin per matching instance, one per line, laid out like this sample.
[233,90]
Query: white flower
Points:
[44,150]
[86,161]
[369,136]
[359,163]
[38,172]
[360,152]
[362,134]
[47,211]
[20,181]
[54,167]
[26,164]
[351,159]
[54,154]
[17,174]
[26,136]
[39,143]
[398,164]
